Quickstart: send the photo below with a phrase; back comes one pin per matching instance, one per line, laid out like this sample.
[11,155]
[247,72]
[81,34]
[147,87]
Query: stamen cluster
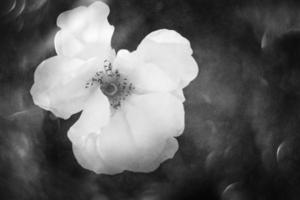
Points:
[114,85]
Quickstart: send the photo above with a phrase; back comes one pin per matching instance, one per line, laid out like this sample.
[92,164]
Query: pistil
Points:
[114,85]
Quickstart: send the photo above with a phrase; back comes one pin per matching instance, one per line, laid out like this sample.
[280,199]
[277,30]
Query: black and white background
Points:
[242,135]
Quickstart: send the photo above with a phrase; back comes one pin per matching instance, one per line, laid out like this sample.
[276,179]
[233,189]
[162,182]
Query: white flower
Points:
[131,103]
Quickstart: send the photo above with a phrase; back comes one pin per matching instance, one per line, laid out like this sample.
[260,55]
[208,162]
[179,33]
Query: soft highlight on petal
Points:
[146,77]
[88,157]
[95,115]
[59,85]
[138,138]
[169,150]
[116,144]
[85,32]
[66,44]
[172,53]
[154,115]
[179,94]
[85,134]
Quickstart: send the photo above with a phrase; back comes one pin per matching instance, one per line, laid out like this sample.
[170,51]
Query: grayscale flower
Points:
[131,102]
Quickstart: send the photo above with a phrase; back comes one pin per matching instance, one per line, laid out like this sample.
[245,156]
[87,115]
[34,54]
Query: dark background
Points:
[242,135]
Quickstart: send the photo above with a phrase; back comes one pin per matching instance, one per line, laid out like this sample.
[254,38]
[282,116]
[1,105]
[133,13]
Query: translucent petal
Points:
[87,156]
[151,157]
[95,115]
[146,77]
[74,19]
[59,84]
[85,134]
[116,144]
[154,116]
[140,140]
[66,44]
[172,53]
[118,147]
[169,150]
[85,32]
[179,94]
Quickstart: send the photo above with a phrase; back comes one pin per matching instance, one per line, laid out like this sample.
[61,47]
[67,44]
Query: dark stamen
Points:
[116,87]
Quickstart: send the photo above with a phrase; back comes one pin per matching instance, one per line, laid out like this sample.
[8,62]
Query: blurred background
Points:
[242,135]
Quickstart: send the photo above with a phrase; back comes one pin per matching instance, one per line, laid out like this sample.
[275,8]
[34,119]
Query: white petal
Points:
[85,32]
[146,77]
[116,145]
[74,19]
[88,158]
[95,115]
[179,94]
[153,119]
[134,139]
[66,44]
[154,115]
[172,53]
[85,133]
[151,157]
[118,148]
[169,150]
[59,85]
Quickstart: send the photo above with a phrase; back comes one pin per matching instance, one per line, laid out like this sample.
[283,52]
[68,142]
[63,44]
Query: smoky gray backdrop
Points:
[242,134]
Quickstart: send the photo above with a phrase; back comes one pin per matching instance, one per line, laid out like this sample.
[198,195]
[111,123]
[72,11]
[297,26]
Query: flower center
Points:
[114,85]
[109,89]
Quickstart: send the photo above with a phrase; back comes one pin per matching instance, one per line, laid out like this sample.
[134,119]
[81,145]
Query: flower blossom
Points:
[131,102]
